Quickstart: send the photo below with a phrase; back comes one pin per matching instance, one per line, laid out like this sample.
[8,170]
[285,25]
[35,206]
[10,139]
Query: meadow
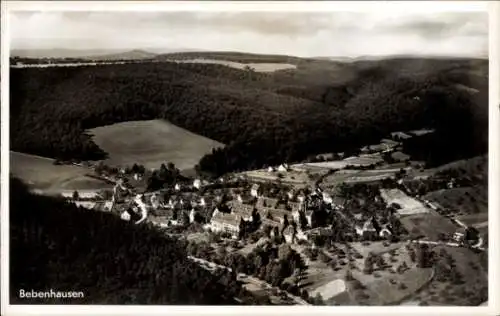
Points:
[42,174]
[258,67]
[151,143]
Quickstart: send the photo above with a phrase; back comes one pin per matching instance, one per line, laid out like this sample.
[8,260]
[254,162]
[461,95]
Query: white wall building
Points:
[255,190]
[197,183]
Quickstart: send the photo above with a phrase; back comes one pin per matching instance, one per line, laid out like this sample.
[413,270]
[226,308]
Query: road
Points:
[247,278]
[429,242]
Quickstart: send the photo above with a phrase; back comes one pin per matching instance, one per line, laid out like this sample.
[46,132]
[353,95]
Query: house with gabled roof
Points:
[255,190]
[225,222]
[368,229]
[243,210]
[283,168]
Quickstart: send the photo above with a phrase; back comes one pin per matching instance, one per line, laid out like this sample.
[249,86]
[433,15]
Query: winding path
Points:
[241,276]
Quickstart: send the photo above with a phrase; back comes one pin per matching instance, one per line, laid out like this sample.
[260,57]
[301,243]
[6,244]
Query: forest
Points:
[262,118]
[55,245]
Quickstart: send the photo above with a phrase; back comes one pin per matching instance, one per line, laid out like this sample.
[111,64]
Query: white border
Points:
[400,7]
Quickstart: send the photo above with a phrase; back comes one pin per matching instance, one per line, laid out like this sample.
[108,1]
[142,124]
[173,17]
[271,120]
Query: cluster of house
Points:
[280,214]
[391,145]
[281,168]
[89,199]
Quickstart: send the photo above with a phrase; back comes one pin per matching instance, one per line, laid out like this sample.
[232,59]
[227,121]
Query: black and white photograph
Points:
[243,155]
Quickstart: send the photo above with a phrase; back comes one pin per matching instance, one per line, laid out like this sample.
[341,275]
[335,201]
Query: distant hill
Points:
[62,53]
[263,118]
[101,54]
[128,55]
[388,57]
[233,56]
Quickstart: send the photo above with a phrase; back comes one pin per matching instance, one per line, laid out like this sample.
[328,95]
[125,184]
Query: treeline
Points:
[262,118]
[55,245]
[276,264]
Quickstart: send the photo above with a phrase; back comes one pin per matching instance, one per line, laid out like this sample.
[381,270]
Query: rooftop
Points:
[402,135]
[226,218]
[267,202]
[269,222]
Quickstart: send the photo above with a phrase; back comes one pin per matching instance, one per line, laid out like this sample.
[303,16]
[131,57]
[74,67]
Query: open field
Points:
[258,67]
[428,224]
[292,177]
[151,143]
[409,205]
[331,289]
[41,173]
[462,201]
[339,164]
[358,176]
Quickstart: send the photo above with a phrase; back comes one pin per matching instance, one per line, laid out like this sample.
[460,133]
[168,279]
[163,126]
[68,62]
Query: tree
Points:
[76,196]
[304,295]
[413,256]
[284,252]
[369,262]
[402,267]
[379,261]
[348,275]
[318,300]
[423,256]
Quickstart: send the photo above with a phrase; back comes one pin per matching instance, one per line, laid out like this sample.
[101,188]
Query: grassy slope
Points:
[151,143]
[41,173]
[468,200]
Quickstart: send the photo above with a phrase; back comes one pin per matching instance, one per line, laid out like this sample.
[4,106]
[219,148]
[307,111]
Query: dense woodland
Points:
[263,118]
[56,245]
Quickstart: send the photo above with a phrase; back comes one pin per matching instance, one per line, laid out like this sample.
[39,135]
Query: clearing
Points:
[292,177]
[430,225]
[151,143]
[339,164]
[409,205]
[258,67]
[41,173]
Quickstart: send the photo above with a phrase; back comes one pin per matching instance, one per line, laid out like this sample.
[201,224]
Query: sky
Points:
[305,34]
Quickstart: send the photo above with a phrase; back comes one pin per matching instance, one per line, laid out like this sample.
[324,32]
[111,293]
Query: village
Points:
[348,211]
